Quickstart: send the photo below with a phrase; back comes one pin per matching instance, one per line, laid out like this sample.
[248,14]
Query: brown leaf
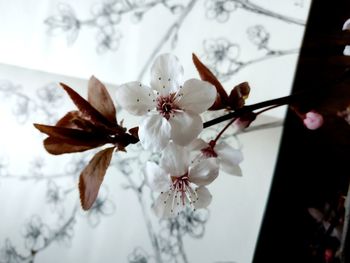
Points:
[238,95]
[86,109]
[56,146]
[134,132]
[67,120]
[100,99]
[73,136]
[92,176]
[75,120]
[207,75]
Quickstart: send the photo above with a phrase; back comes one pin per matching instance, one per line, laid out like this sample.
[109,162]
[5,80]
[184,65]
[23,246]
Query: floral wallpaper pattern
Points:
[42,218]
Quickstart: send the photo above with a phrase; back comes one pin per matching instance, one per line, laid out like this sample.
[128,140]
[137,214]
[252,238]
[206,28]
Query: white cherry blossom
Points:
[228,157]
[170,109]
[180,182]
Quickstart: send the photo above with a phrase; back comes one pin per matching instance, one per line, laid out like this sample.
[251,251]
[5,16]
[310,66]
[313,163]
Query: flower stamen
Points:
[166,105]
[182,192]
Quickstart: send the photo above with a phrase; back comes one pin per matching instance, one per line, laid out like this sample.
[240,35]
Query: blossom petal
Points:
[231,169]
[166,74]
[229,158]
[203,197]
[204,172]
[154,133]
[165,207]
[346,51]
[197,96]
[156,178]
[197,145]
[346,25]
[135,98]
[185,127]
[175,159]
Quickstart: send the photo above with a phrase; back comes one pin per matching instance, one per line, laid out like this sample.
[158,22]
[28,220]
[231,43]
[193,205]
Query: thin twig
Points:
[279,101]
[287,100]
[264,126]
[36,177]
[269,55]
[249,6]
[129,9]
[224,129]
[53,238]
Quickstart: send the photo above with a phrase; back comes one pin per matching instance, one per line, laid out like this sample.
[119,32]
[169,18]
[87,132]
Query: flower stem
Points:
[287,100]
[274,103]
[224,129]
[259,127]
[249,6]
[267,109]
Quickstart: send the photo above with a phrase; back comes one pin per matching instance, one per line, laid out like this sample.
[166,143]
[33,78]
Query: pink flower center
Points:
[183,190]
[180,193]
[209,151]
[180,185]
[166,105]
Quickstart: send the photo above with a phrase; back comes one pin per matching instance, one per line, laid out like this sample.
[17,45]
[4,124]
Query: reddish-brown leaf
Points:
[73,136]
[67,120]
[100,99]
[134,132]
[75,120]
[238,95]
[92,176]
[86,109]
[57,146]
[207,75]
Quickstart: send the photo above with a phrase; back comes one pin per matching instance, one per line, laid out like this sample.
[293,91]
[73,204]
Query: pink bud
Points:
[241,124]
[244,121]
[313,120]
[328,255]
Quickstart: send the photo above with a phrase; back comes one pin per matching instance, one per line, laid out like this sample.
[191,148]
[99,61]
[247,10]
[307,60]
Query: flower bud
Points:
[244,121]
[328,255]
[313,120]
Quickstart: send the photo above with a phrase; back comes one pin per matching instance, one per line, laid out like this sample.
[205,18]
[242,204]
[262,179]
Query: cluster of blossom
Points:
[171,124]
